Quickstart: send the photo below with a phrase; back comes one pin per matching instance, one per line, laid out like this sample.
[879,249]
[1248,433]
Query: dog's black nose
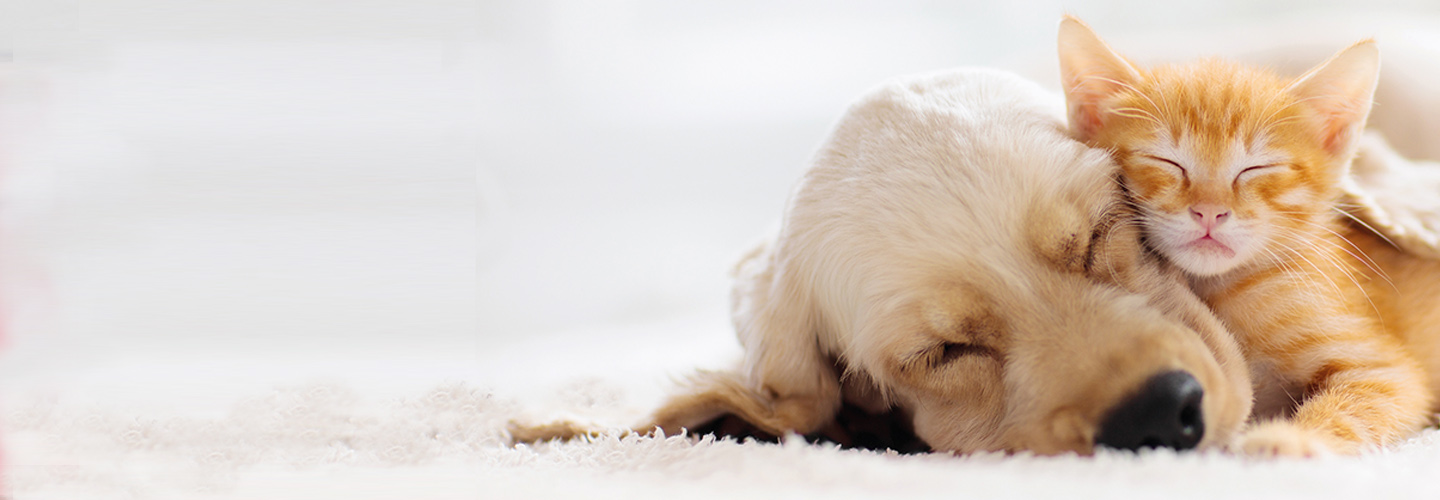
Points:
[1164,412]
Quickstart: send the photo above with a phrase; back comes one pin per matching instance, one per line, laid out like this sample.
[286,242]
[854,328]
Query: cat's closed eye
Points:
[1183,172]
[1257,170]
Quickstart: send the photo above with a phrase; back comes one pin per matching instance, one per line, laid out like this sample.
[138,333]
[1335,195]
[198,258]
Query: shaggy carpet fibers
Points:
[325,441]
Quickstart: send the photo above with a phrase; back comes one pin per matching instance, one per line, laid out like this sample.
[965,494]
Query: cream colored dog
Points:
[952,254]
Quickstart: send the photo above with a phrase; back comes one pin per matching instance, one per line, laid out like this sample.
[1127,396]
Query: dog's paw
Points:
[521,433]
[1283,439]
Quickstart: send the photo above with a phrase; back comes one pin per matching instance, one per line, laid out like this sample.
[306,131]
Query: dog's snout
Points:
[1165,412]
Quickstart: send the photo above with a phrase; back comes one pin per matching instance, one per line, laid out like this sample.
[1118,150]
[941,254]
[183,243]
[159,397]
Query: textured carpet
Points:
[326,441]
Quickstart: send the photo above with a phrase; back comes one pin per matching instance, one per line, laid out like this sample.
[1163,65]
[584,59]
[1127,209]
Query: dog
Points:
[954,258]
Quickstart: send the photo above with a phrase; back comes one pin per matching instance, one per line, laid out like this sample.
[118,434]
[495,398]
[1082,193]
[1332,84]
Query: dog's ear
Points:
[1090,72]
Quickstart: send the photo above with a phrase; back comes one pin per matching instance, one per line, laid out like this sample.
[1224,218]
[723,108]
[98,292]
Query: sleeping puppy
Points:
[953,257]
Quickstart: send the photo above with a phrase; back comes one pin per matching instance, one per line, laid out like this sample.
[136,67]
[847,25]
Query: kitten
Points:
[1235,172]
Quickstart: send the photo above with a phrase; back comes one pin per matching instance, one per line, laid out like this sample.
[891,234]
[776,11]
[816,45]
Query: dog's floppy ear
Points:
[1090,72]
[1395,197]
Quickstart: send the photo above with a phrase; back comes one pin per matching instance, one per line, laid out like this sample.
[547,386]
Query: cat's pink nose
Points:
[1209,216]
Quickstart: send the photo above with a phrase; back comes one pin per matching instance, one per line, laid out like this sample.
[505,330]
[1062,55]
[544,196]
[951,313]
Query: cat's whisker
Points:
[1138,113]
[1270,126]
[1291,270]
[1274,111]
[1283,264]
[1358,253]
[1137,116]
[1131,88]
[1338,265]
[1372,229]
[1350,274]
[1314,249]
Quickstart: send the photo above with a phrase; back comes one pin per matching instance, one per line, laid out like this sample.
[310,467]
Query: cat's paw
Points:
[1283,439]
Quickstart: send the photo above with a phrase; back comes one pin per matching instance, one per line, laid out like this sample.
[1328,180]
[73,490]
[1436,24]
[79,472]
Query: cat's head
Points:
[1227,163]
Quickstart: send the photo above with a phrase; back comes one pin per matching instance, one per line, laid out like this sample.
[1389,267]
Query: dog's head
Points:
[969,263]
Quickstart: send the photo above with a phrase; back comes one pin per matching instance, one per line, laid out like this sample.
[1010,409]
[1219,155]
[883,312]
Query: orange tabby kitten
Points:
[1235,172]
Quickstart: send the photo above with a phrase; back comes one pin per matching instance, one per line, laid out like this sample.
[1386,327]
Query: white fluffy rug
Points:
[325,441]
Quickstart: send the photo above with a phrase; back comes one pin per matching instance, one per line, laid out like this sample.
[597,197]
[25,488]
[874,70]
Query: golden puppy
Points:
[953,256]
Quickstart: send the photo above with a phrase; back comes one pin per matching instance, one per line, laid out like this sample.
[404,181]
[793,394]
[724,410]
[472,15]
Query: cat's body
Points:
[1236,172]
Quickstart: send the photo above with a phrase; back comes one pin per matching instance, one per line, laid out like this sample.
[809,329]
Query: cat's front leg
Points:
[1284,438]
[1371,397]
[1358,387]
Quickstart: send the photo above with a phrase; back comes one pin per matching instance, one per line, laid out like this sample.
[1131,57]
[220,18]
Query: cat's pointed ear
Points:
[1340,91]
[1090,73]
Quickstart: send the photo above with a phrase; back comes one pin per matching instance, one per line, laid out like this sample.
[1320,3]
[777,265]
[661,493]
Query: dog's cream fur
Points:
[953,209]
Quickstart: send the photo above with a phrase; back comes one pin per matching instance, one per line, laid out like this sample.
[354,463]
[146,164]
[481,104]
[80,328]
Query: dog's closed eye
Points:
[1098,236]
[950,351]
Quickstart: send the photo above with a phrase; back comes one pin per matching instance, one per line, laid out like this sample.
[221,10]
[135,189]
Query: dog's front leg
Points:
[786,383]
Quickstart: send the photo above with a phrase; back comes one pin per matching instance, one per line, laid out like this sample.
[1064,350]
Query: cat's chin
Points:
[1205,257]
[1207,267]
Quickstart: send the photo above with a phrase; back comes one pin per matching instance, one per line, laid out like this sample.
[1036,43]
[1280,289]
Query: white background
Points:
[206,199]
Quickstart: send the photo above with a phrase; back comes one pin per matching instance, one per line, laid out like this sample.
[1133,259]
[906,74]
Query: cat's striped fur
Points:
[1236,172]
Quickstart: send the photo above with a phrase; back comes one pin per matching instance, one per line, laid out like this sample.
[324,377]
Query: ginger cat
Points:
[1235,172]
